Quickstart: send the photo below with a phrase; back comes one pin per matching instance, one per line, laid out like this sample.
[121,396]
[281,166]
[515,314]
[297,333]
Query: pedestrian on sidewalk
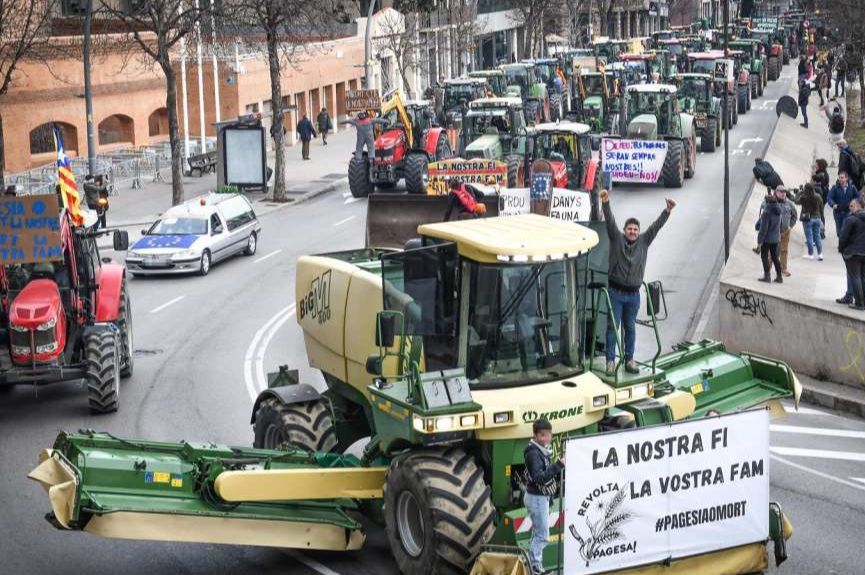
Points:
[627,266]
[766,174]
[840,76]
[803,67]
[849,162]
[835,116]
[365,127]
[851,244]
[820,82]
[812,210]
[820,178]
[769,237]
[306,133]
[324,124]
[542,475]
[789,217]
[804,96]
[839,198]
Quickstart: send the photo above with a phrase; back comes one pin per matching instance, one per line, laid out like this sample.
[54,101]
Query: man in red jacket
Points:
[465,199]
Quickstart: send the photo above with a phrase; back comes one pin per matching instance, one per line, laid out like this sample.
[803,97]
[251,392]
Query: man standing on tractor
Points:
[541,483]
[365,127]
[465,199]
[628,252]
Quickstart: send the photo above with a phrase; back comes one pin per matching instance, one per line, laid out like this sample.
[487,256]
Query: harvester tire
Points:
[415,173]
[673,172]
[742,99]
[124,325]
[515,164]
[438,512]
[707,140]
[306,426]
[358,178]
[773,68]
[102,364]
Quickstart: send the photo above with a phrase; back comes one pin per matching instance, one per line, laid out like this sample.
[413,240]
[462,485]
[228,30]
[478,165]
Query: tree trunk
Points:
[177,194]
[276,126]
[2,160]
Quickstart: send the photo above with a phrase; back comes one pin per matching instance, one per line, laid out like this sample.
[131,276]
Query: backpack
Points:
[855,168]
[836,123]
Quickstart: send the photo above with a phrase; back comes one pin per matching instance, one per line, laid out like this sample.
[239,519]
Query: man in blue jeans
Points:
[542,475]
[628,252]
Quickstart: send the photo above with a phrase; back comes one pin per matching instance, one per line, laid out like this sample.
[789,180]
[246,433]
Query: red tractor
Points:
[410,141]
[68,319]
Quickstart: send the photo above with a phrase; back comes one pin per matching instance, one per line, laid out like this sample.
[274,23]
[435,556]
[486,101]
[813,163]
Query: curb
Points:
[834,396]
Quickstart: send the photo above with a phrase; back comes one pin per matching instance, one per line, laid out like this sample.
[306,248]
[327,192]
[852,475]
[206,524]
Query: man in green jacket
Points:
[628,252]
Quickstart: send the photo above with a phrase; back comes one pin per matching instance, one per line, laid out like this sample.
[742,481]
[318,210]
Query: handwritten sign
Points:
[478,172]
[30,229]
[570,205]
[650,494]
[514,201]
[362,100]
[764,23]
[633,161]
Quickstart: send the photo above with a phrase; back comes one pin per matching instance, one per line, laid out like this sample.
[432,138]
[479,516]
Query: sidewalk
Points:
[325,171]
[797,321]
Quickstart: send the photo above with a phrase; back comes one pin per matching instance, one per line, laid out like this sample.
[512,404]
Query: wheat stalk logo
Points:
[606,529]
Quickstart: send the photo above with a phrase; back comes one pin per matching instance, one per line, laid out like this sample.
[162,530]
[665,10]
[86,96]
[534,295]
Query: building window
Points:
[42,138]
[73,7]
[252,108]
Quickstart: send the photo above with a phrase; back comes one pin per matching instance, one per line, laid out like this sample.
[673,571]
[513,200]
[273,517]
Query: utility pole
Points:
[88,90]
[726,138]
[367,47]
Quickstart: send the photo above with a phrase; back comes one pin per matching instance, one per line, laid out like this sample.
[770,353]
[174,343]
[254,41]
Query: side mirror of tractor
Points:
[384,330]
[656,302]
[121,241]
[373,364]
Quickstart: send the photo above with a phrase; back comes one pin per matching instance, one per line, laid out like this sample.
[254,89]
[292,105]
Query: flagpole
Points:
[88,90]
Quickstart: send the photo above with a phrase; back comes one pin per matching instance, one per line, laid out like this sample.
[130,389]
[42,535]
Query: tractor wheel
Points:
[735,109]
[415,173]
[437,511]
[358,178]
[761,84]
[306,426]
[742,99]
[673,172]
[707,140]
[755,92]
[773,68]
[102,365]
[748,95]
[691,158]
[124,325]
[786,56]
[718,137]
[515,168]
[443,148]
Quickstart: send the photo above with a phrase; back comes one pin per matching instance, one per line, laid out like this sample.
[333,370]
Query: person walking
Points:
[820,177]
[840,76]
[804,96]
[769,237]
[324,124]
[839,198]
[306,133]
[627,266]
[849,162]
[812,210]
[851,244]
[803,67]
[365,127]
[542,474]
[820,81]
[789,217]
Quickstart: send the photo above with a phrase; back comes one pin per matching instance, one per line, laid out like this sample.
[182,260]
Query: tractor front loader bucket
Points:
[205,493]
[393,219]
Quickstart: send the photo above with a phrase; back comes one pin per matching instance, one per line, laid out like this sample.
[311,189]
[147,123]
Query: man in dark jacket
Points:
[627,266]
[848,162]
[541,476]
[804,96]
[840,75]
[851,244]
[768,238]
[324,124]
[839,198]
[803,67]
[766,174]
[306,133]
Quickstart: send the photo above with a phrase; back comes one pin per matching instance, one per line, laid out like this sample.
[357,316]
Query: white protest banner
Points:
[570,205]
[513,201]
[633,160]
[669,491]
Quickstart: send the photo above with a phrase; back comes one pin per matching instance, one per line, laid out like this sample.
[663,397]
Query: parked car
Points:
[196,234]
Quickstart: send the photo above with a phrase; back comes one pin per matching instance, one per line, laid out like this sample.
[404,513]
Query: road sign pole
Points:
[726,139]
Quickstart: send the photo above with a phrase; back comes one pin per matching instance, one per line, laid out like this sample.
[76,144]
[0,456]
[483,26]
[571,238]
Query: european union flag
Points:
[167,241]
[541,186]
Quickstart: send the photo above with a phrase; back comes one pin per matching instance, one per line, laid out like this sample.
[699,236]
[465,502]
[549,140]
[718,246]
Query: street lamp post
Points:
[726,139]
[367,47]
[88,90]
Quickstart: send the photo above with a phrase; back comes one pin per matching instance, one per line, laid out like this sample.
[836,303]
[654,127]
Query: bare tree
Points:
[845,17]
[399,35]
[530,14]
[156,28]
[23,30]
[464,29]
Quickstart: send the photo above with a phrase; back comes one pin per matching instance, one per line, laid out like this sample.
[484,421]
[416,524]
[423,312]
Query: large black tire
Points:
[437,511]
[761,84]
[742,99]
[515,166]
[786,56]
[735,109]
[673,172]
[691,158]
[773,69]
[415,173]
[358,177]
[754,88]
[707,140]
[102,365]
[306,426]
[124,326]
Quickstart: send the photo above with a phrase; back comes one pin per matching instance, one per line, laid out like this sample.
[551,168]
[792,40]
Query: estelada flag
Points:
[66,180]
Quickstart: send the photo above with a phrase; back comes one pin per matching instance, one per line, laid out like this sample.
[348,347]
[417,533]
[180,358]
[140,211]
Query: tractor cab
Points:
[653,109]
[677,50]
[694,92]
[593,98]
[458,93]
[492,128]
[567,148]
[704,63]
[607,50]
[524,81]
[655,66]
[495,80]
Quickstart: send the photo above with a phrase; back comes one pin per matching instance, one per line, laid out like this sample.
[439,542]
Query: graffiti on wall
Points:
[748,304]
[854,346]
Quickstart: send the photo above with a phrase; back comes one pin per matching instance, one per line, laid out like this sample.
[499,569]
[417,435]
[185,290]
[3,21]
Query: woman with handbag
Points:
[812,209]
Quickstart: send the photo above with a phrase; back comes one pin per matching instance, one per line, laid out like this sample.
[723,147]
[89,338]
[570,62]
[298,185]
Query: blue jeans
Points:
[839,220]
[812,236]
[804,114]
[625,309]
[538,507]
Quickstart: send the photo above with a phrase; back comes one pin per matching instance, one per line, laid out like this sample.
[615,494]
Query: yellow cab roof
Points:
[514,239]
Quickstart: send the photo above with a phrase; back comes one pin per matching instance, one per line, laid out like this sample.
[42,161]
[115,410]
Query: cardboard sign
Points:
[477,172]
[30,229]
[362,100]
[570,205]
[514,201]
[764,23]
[633,161]
[646,495]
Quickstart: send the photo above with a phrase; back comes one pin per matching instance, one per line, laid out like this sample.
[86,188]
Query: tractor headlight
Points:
[502,417]
[47,325]
[444,423]
[599,401]
[19,328]
[20,350]
[47,348]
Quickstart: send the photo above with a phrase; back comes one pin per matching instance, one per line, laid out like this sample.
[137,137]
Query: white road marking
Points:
[747,140]
[166,304]
[817,431]
[741,152]
[250,351]
[262,258]
[791,410]
[351,200]
[768,104]
[818,473]
[859,479]
[346,194]
[340,222]
[312,563]
[818,453]
[261,378]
